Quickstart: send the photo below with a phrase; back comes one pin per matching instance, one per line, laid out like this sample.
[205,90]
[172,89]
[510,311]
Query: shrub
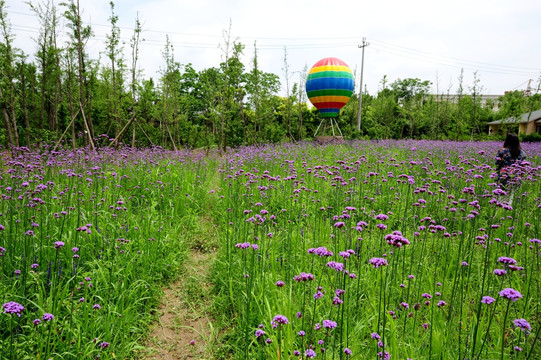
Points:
[533,137]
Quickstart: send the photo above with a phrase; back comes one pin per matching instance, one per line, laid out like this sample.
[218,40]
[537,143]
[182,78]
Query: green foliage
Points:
[533,137]
[229,105]
[425,301]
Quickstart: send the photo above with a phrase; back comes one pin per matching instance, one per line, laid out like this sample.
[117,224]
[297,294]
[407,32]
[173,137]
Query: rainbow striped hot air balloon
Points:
[329,85]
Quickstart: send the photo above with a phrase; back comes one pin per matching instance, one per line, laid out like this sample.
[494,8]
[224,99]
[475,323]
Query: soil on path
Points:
[184,329]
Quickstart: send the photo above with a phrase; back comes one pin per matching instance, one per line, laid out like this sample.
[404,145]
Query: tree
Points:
[48,57]
[116,71]
[301,100]
[409,94]
[7,84]
[512,105]
[26,89]
[166,110]
[78,38]
[260,88]
[287,75]
[231,92]
[476,90]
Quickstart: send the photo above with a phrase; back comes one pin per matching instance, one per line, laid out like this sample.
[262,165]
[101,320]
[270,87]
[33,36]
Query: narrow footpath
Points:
[184,329]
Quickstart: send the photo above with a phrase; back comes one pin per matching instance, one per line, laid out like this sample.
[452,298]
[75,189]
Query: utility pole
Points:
[365,44]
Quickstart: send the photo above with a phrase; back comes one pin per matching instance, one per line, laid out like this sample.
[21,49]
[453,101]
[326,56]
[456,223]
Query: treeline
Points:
[60,95]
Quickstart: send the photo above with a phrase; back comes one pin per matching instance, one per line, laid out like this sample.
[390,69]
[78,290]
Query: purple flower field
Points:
[382,249]
[87,239]
[388,249]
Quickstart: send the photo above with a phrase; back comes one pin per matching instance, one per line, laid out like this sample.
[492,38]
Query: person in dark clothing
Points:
[508,160]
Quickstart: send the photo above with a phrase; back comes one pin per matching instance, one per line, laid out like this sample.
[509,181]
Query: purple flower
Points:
[441,303]
[103,345]
[381,217]
[36,322]
[339,224]
[522,324]
[259,333]
[500,272]
[487,300]
[279,283]
[301,333]
[335,265]
[309,353]
[329,324]
[375,336]
[303,277]
[320,251]
[58,244]
[13,308]
[244,245]
[34,266]
[347,351]
[510,294]
[396,239]
[377,262]
[405,305]
[296,353]
[507,260]
[47,317]
[280,319]
[96,306]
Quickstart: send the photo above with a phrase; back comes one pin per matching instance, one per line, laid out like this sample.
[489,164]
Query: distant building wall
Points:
[523,128]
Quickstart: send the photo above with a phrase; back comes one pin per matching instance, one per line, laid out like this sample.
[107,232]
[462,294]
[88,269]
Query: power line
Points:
[425,53]
[329,42]
[454,64]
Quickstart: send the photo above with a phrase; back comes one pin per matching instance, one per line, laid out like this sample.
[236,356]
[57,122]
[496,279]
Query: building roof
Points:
[524,118]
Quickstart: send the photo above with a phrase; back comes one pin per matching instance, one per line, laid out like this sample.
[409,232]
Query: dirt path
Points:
[184,329]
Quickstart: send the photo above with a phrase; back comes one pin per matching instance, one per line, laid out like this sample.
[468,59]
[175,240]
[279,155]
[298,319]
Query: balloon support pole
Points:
[317,130]
[334,137]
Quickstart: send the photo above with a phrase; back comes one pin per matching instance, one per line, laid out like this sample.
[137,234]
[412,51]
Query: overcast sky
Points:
[426,39]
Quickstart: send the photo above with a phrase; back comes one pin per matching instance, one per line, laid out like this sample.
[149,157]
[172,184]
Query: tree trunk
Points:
[7,121]
[13,114]
[87,125]
[43,85]
[25,106]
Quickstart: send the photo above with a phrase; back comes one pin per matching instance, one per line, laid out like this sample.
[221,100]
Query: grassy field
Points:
[363,250]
